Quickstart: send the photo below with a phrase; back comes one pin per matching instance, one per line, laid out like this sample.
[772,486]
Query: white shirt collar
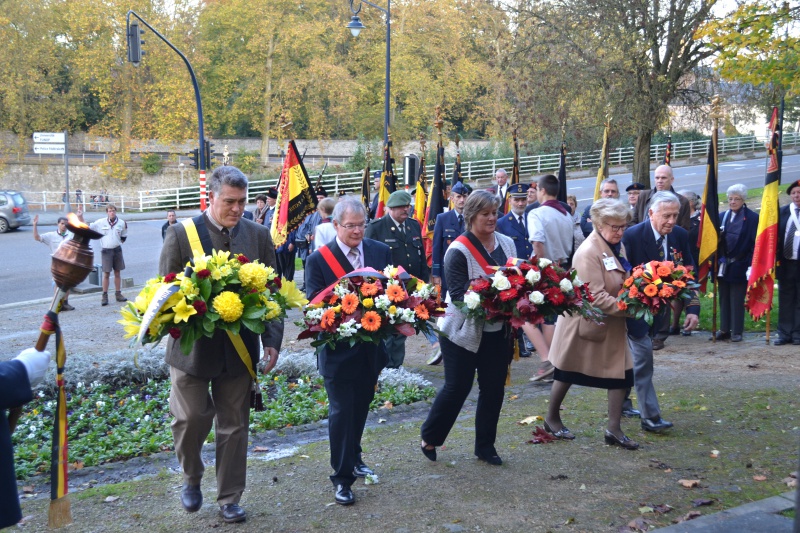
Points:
[346,249]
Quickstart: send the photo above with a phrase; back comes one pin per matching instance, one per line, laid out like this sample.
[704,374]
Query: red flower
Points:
[203,274]
[242,259]
[169,278]
[200,307]
[508,294]
[480,285]
[516,279]
[554,296]
[175,333]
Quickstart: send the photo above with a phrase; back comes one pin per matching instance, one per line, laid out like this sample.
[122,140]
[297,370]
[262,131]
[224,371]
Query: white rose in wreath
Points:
[543,262]
[566,285]
[472,299]
[533,276]
[500,282]
[537,298]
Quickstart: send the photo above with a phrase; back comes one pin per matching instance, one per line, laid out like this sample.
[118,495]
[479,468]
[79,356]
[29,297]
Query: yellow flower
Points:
[189,289]
[183,311]
[292,295]
[130,321]
[221,257]
[253,276]
[273,310]
[392,309]
[225,271]
[216,275]
[200,262]
[228,305]
[368,303]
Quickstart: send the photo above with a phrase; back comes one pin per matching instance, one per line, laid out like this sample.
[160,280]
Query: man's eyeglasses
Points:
[351,227]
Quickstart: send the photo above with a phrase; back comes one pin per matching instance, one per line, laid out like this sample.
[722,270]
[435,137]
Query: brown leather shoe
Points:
[104,299]
[231,512]
[658,344]
[191,498]
[120,298]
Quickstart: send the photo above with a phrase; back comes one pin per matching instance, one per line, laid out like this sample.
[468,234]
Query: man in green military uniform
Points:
[404,236]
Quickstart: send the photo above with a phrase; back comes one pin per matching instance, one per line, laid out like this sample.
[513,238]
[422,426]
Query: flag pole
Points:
[715,114]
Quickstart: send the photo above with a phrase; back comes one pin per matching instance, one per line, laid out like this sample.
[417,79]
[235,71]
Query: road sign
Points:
[44,137]
[48,148]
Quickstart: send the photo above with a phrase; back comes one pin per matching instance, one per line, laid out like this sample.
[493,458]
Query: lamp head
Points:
[355,25]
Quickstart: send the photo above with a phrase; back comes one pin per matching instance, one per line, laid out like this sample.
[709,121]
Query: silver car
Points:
[13,210]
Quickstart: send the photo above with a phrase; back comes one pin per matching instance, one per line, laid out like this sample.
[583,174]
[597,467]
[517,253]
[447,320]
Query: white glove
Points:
[36,364]
[747,275]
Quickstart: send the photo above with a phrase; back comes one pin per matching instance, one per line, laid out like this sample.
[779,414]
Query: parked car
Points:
[13,210]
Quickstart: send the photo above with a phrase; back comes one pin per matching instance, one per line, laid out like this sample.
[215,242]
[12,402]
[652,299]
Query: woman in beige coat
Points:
[583,352]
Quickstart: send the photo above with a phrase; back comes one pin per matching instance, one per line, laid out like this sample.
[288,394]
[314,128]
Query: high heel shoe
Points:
[624,442]
[429,452]
[563,433]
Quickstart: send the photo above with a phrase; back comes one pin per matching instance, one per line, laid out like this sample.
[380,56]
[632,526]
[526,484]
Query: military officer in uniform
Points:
[513,224]
[448,226]
[403,236]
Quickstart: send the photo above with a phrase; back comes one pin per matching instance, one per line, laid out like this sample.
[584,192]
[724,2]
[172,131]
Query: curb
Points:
[762,515]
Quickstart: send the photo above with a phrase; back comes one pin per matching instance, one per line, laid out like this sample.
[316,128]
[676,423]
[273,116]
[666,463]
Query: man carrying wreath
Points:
[217,360]
[658,238]
[350,373]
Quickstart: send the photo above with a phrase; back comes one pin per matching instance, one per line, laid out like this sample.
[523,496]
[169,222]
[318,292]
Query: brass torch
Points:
[71,264]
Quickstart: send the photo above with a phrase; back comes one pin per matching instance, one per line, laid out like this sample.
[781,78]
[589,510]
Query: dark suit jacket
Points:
[640,247]
[738,258]
[445,232]
[341,361]
[510,227]
[248,215]
[407,249]
[15,390]
[786,270]
[586,225]
[643,205]
[210,357]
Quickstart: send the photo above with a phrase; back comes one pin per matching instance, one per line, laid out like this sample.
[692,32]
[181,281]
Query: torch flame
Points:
[75,221]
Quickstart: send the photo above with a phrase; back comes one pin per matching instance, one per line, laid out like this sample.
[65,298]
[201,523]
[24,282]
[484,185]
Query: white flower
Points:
[408,315]
[533,276]
[566,285]
[41,394]
[340,290]
[472,299]
[500,281]
[382,302]
[100,404]
[577,282]
[147,418]
[544,262]
[348,329]
[390,271]
[537,298]
[424,290]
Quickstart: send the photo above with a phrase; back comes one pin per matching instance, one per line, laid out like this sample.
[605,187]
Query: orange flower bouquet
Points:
[652,286]
[369,306]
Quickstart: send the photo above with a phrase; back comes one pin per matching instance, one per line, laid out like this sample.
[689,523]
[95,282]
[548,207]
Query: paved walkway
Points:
[762,515]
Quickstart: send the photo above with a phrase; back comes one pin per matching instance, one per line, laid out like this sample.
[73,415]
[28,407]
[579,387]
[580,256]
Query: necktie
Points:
[354,258]
[521,222]
[402,228]
[461,223]
[660,243]
[788,245]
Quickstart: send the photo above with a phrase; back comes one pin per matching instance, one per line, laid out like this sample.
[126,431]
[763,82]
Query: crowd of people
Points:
[479,231]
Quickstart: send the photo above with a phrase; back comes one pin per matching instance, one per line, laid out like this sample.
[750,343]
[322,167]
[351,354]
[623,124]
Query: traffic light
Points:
[135,43]
[209,154]
[194,156]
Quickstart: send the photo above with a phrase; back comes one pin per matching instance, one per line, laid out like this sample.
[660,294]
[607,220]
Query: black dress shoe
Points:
[492,458]
[624,442]
[563,433]
[630,412]
[655,424]
[736,338]
[674,331]
[362,470]
[722,335]
[344,496]
[231,512]
[191,498]
[780,342]
[658,344]
[429,451]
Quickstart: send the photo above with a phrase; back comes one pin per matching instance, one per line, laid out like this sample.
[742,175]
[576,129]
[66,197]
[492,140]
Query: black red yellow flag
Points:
[295,200]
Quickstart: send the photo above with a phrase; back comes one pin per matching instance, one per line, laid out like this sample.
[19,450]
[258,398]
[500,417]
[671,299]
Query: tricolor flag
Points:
[295,197]
[562,174]
[421,195]
[365,187]
[436,202]
[668,152]
[602,172]
[387,185]
[708,236]
[456,169]
[514,175]
[761,284]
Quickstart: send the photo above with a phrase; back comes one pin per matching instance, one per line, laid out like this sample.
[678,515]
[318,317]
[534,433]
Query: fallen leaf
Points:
[381,421]
[658,464]
[691,515]
[569,521]
[514,397]
[540,436]
[646,509]
[663,508]
[260,449]
[77,465]
[791,482]
[640,524]
[752,365]
[583,487]
[303,456]
[701,501]
[111,499]
[760,477]
[388,405]
[689,483]
[668,470]
[769,407]
[530,420]
[714,453]
[27,489]
[559,477]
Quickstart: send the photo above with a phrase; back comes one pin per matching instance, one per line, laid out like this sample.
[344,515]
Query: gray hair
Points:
[226,175]
[609,209]
[662,197]
[348,204]
[609,180]
[476,202]
[739,190]
[501,170]
[694,200]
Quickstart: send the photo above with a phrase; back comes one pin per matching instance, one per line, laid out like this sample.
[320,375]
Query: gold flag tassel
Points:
[59,514]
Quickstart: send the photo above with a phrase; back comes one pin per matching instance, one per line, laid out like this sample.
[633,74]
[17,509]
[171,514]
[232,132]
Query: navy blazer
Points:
[510,227]
[445,232]
[740,257]
[343,360]
[15,390]
[782,270]
[640,247]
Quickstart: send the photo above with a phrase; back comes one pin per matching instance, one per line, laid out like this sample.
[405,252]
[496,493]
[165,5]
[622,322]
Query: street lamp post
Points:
[355,28]
[181,167]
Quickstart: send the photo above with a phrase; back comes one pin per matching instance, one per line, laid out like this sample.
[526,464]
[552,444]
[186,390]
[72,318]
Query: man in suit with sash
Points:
[217,361]
[659,238]
[350,373]
[788,270]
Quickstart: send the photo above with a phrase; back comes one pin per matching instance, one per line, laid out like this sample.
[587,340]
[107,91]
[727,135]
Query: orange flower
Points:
[628,282]
[678,283]
[328,318]
[663,271]
[650,290]
[666,292]
[622,306]
[371,321]
[369,289]
[395,293]
[633,292]
[349,303]
[422,312]
[333,299]
[637,272]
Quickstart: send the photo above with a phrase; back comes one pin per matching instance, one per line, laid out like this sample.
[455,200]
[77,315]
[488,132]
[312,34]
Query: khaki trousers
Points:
[193,409]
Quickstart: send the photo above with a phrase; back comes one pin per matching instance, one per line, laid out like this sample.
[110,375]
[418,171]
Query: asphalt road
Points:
[25,264]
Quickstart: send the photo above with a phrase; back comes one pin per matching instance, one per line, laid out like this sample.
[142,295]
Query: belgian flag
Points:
[708,237]
[295,197]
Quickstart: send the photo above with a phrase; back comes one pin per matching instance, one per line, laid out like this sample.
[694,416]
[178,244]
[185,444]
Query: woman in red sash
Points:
[470,345]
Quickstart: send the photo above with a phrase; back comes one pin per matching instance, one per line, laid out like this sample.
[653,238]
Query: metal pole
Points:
[388,70]
[66,172]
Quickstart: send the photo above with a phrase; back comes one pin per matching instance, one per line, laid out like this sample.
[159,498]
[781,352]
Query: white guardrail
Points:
[187,197]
